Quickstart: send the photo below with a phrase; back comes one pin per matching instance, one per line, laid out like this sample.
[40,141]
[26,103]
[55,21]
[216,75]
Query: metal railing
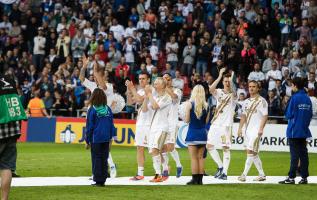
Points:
[79,112]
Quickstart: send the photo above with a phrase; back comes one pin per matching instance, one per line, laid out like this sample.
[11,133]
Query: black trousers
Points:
[298,151]
[99,158]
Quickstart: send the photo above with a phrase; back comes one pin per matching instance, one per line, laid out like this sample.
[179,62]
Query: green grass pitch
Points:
[46,160]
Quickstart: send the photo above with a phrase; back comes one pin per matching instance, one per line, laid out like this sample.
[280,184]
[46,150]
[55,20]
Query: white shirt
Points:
[129,31]
[149,68]
[129,55]
[256,76]
[311,85]
[154,52]
[160,116]
[143,25]
[275,74]
[173,113]
[171,56]
[254,117]
[60,27]
[187,9]
[39,45]
[118,32]
[144,118]
[88,32]
[93,85]
[226,104]
[178,83]
[6,25]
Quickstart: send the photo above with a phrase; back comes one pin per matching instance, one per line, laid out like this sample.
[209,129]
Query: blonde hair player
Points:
[142,123]
[160,103]
[253,120]
[176,95]
[100,82]
[222,122]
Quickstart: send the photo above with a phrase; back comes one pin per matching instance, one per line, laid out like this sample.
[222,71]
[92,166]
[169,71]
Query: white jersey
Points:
[109,91]
[144,118]
[254,109]
[173,113]
[159,120]
[226,104]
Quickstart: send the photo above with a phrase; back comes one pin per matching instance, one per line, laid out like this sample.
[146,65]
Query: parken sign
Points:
[273,139]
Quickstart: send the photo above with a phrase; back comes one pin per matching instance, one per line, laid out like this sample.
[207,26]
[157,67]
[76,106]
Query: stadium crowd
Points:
[271,41]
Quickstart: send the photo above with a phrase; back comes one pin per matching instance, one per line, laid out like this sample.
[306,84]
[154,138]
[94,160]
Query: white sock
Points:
[175,156]
[215,156]
[110,161]
[226,161]
[248,164]
[140,171]
[157,164]
[165,161]
[258,165]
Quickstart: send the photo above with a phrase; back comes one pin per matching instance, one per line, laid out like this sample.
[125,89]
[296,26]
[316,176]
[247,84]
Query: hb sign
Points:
[11,106]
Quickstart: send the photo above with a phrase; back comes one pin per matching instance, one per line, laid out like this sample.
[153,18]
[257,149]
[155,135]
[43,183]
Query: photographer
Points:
[10,114]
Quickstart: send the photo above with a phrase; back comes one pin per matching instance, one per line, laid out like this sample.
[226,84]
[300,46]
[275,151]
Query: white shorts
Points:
[220,135]
[141,136]
[252,142]
[157,139]
[172,135]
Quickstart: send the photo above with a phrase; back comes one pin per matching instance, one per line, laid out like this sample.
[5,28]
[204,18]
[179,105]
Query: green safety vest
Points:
[11,108]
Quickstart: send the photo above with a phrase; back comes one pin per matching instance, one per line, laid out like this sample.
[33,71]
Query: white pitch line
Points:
[73,181]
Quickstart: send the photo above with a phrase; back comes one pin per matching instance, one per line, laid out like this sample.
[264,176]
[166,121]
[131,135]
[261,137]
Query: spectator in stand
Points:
[169,70]
[62,45]
[149,65]
[78,45]
[178,82]
[39,49]
[101,54]
[123,68]
[267,64]
[129,49]
[257,74]
[189,54]
[311,59]
[117,30]
[203,52]
[172,50]
[48,100]
[154,51]
[114,56]
[274,103]
[312,83]
[248,55]
[273,75]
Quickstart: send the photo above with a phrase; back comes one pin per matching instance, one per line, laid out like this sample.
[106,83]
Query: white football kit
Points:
[220,131]
[159,123]
[143,123]
[173,117]
[254,109]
